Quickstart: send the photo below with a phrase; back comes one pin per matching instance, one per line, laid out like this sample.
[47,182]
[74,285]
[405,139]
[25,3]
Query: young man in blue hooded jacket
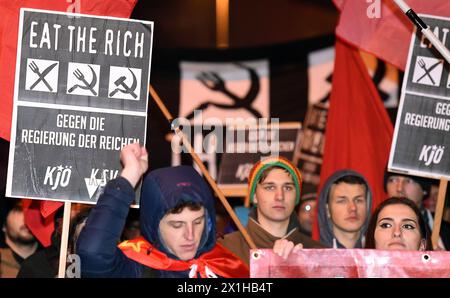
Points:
[177,225]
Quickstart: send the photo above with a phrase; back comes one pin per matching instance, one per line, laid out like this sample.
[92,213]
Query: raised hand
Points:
[284,248]
[134,159]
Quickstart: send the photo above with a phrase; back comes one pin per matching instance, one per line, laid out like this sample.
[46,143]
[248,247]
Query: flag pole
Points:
[64,240]
[199,163]
[416,20]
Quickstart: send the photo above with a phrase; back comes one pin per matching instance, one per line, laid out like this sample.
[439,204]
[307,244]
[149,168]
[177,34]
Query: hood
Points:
[325,224]
[164,189]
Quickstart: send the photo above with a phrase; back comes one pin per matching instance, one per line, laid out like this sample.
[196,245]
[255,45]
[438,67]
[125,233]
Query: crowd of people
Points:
[174,234]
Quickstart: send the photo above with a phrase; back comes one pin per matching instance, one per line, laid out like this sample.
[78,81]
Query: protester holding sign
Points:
[177,226]
[344,209]
[274,187]
[397,224]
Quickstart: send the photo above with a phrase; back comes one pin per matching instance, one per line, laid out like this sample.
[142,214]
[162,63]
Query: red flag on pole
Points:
[381,28]
[359,132]
[39,215]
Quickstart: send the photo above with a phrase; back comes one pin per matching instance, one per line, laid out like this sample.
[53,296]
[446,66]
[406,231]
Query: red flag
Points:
[358,134]
[386,34]
[9,28]
[40,225]
[39,215]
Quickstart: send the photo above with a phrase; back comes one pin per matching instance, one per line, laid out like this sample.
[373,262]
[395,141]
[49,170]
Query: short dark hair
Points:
[193,206]
[423,228]
[350,179]
[425,183]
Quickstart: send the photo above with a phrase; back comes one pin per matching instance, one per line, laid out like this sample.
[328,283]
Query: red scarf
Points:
[219,260]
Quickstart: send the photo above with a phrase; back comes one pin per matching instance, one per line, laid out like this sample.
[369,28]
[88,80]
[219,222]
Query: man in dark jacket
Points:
[344,210]
[274,187]
[20,243]
[177,226]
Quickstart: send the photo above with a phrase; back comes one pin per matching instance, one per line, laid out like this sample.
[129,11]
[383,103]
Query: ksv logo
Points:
[92,183]
[57,176]
[431,154]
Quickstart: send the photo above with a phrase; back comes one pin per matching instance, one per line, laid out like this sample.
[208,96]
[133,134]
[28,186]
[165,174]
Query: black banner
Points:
[256,143]
[421,137]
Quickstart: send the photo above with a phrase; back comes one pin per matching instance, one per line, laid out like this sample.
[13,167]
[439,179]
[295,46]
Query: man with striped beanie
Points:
[274,187]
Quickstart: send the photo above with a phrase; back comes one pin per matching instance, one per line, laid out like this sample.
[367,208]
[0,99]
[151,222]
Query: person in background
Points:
[20,243]
[344,210]
[306,212]
[431,201]
[397,224]
[45,262]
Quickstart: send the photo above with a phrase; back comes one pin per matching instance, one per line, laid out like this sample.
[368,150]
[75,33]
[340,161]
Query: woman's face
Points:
[398,229]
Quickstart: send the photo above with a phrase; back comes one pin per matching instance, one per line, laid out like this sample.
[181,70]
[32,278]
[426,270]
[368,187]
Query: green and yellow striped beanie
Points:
[278,161]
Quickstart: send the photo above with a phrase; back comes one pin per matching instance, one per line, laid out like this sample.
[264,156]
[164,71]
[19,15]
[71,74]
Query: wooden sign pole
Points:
[64,240]
[438,213]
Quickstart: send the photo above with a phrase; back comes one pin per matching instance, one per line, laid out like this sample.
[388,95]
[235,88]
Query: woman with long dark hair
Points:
[397,224]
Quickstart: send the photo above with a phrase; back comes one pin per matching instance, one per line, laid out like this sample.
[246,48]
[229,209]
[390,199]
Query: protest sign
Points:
[247,146]
[81,94]
[421,137]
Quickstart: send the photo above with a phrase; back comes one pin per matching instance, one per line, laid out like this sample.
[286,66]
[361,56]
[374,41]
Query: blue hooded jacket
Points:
[162,190]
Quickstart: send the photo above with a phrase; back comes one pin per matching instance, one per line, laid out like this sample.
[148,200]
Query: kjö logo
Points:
[431,154]
[57,176]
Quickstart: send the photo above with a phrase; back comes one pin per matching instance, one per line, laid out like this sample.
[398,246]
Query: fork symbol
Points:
[88,86]
[427,71]
[35,69]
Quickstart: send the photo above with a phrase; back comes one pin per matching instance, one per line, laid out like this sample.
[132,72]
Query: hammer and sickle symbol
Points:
[86,86]
[120,82]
